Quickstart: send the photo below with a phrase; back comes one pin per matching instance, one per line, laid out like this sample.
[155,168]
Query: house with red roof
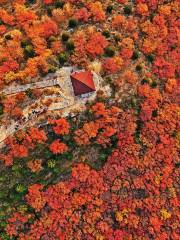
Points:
[82,82]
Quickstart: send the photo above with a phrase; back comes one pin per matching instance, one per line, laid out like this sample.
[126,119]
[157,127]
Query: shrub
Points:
[62,58]
[135,55]
[65,37]
[52,69]
[139,67]
[106,33]
[49,11]
[144,81]
[29,93]
[127,9]
[109,9]
[24,43]
[103,157]
[8,37]
[59,4]
[52,39]
[154,113]
[73,23]
[70,46]
[117,38]
[29,51]
[154,84]
[150,58]
[51,163]
[31,1]
[1,109]
[20,188]
[109,51]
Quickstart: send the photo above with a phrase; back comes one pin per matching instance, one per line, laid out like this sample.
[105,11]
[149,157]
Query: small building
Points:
[82,82]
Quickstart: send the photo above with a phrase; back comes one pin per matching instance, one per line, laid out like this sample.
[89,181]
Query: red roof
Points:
[82,82]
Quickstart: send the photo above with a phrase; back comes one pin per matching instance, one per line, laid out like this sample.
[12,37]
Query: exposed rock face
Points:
[67,101]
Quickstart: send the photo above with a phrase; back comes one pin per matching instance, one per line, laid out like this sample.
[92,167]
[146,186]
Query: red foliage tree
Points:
[37,136]
[96,44]
[57,147]
[61,126]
